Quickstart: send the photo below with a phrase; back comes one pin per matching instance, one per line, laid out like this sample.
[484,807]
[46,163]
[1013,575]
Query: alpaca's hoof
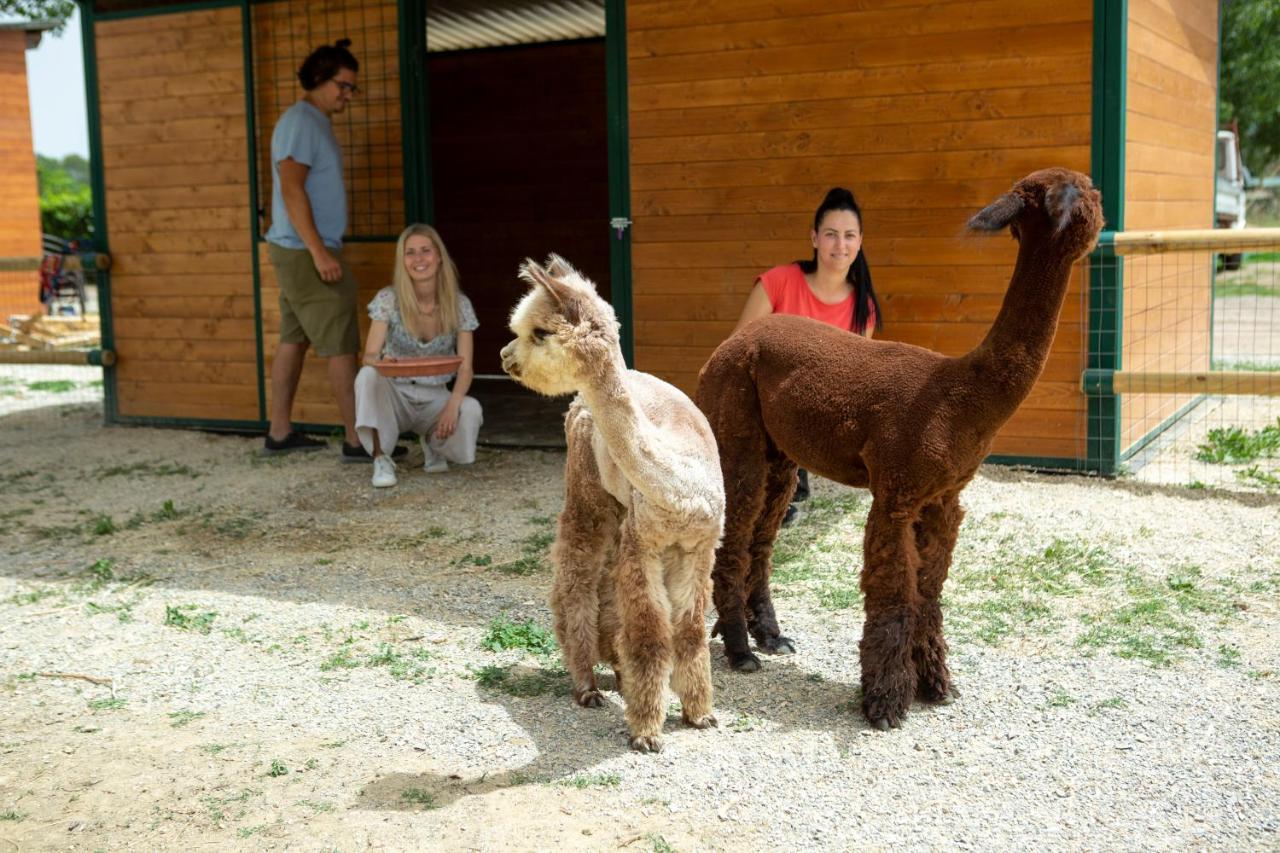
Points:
[939,692]
[588,698]
[778,646]
[706,721]
[883,714]
[647,744]
[745,662]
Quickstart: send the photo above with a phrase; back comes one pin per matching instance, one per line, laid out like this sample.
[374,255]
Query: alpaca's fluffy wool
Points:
[644,507]
[909,424]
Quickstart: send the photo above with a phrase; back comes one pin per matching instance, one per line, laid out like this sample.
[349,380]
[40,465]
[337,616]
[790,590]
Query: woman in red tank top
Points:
[834,287]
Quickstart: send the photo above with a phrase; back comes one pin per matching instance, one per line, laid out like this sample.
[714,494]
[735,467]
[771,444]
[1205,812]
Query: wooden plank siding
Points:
[1171,106]
[20,213]
[175,158]
[743,113]
[368,130]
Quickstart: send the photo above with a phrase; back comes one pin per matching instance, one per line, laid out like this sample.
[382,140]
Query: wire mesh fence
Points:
[47,340]
[1188,391]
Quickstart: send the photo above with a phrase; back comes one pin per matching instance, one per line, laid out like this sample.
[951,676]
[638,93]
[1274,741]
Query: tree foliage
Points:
[1250,78]
[39,10]
[66,202]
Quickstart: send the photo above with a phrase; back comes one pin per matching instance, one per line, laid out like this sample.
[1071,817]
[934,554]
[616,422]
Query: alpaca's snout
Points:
[509,365]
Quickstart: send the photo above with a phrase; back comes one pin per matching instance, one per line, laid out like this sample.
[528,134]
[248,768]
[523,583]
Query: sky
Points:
[55,85]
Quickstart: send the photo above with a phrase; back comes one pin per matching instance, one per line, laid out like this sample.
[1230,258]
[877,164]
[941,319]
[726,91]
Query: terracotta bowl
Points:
[432,365]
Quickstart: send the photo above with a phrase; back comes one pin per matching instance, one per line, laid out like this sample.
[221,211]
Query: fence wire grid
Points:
[1191,399]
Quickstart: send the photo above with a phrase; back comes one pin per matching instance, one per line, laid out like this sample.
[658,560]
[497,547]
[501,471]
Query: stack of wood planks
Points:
[42,333]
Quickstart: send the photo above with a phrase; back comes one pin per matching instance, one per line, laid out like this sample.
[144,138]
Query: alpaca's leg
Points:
[936,533]
[889,585]
[745,474]
[780,484]
[584,537]
[644,644]
[687,584]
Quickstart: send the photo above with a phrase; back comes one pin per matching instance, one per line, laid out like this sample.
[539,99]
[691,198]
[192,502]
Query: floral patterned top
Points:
[402,343]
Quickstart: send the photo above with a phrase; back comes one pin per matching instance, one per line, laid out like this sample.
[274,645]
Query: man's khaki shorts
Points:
[312,309]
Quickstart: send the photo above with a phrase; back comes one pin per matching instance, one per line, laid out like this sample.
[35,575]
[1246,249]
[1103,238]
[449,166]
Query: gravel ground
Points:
[296,661]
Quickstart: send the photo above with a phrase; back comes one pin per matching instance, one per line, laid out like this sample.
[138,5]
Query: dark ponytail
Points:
[324,63]
[864,295]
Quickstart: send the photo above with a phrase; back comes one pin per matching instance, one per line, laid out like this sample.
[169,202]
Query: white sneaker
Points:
[434,464]
[384,472]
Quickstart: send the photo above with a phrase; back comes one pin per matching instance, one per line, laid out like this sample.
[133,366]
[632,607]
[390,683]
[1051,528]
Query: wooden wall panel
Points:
[1171,101]
[369,130]
[744,112]
[519,151]
[20,213]
[175,153]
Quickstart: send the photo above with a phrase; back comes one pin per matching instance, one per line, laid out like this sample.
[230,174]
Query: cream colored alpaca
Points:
[643,507]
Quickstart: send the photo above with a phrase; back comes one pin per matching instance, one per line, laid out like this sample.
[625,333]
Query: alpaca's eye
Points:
[541,334]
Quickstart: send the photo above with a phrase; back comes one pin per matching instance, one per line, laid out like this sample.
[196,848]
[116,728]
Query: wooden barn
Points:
[20,214]
[673,149]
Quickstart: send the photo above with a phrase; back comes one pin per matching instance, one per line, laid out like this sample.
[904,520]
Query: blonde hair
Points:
[446,283]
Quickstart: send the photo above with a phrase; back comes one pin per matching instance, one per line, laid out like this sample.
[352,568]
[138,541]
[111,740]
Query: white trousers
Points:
[389,407]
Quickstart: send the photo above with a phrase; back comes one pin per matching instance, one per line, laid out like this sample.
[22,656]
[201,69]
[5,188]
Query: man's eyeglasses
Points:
[348,88]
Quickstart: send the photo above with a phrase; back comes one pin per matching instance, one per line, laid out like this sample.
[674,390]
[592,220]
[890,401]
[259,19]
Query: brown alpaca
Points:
[909,424]
[643,507]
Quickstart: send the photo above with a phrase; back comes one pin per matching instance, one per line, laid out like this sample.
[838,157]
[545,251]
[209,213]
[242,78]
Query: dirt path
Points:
[296,661]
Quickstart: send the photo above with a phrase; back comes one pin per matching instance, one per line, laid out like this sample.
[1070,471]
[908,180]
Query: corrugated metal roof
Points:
[469,24]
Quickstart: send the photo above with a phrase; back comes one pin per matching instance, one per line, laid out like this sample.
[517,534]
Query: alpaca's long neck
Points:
[614,410]
[1014,352]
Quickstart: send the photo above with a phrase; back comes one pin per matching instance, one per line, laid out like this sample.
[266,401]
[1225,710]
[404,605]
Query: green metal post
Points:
[97,184]
[1106,269]
[415,115]
[246,38]
[615,36]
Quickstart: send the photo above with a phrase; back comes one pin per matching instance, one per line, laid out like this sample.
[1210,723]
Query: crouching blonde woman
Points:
[422,313]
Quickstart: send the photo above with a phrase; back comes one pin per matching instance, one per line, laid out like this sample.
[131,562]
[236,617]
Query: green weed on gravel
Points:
[403,667]
[189,617]
[594,780]
[523,683]
[147,469]
[504,634]
[533,548]
[419,797]
[1232,445]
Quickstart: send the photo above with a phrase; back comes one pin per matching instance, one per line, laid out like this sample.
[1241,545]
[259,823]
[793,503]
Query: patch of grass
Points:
[744,723]
[1156,624]
[1233,289]
[341,659]
[595,780]
[249,831]
[526,685]
[189,617]
[1253,475]
[103,525]
[1109,704]
[277,769]
[12,815]
[52,386]
[111,703]
[419,797]
[178,719]
[474,560]
[660,844]
[1235,445]
[1228,657]
[317,806]
[217,806]
[840,596]
[504,634]
[1245,365]
[22,599]
[147,469]
[401,666]
[166,512]
[1060,698]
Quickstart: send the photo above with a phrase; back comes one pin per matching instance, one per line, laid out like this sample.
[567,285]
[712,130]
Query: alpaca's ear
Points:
[558,267]
[998,214]
[534,274]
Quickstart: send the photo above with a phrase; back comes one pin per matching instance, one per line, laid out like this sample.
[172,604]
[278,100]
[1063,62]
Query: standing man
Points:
[308,219]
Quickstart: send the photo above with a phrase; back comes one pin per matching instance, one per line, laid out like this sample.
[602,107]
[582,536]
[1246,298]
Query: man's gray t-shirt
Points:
[304,134]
